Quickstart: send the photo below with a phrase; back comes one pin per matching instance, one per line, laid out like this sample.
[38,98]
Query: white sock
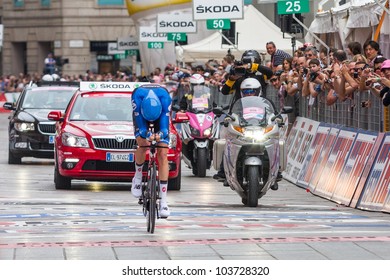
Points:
[163,191]
[138,171]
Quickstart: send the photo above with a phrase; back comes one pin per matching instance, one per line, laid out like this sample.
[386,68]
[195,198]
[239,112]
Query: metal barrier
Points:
[365,111]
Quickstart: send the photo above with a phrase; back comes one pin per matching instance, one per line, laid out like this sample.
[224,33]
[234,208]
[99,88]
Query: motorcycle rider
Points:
[196,80]
[248,87]
[151,104]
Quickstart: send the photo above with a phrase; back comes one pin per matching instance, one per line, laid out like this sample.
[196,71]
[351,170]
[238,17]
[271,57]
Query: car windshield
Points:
[37,98]
[252,110]
[98,107]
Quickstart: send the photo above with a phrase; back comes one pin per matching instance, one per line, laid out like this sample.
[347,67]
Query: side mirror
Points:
[287,110]
[55,116]
[175,108]
[9,106]
[218,111]
[180,118]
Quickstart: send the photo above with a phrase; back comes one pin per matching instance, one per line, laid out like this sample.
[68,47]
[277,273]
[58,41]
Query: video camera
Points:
[238,69]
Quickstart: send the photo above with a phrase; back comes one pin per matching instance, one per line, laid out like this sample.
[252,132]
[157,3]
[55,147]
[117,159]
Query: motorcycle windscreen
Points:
[252,110]
[202,100]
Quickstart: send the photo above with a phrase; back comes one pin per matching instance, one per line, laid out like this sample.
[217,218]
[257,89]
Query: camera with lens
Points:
[313,76]
[355,75]
[238,69]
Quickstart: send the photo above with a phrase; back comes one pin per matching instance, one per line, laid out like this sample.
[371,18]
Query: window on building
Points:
[18,3]
[110,2]
[45,3]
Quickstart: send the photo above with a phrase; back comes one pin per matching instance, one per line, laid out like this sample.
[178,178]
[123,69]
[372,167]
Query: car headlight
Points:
[71,140]
[172,141]
[24,126]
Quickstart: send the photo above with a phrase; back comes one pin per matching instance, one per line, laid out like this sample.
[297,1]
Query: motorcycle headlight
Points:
[257,134]
[207,132]
[194,132]
[24,126]
[71,140]
[172,141]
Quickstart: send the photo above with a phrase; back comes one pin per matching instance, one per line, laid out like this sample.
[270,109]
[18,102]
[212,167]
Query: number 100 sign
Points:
[286,7]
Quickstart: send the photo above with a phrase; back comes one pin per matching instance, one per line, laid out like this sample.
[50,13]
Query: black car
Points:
[31,134]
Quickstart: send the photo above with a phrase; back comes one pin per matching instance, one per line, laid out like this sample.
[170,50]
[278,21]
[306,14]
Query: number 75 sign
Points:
[286,7]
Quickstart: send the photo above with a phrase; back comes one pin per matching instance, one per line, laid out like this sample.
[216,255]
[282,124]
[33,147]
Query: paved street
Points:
[102,221]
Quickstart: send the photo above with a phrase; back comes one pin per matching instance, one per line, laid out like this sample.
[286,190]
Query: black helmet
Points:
[251,56]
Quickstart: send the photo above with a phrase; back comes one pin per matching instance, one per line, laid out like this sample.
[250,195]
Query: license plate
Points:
[119,157]
[51,139]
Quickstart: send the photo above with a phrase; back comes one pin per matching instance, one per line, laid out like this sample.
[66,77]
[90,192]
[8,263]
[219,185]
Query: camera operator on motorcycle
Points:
[249,67]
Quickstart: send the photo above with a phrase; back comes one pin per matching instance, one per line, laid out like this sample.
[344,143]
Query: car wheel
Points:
[13,159]
[174,184]
[61,182]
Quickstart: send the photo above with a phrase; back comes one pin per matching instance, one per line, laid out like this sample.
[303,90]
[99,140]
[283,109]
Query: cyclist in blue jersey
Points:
[152,104]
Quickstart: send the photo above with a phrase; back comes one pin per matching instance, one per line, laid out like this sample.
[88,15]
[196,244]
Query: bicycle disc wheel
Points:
[152,199]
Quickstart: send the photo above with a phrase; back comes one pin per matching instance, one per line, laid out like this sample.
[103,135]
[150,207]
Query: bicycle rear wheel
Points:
[152,207]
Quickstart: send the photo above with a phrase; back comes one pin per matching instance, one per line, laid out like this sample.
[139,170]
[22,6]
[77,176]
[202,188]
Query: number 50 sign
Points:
[293,7]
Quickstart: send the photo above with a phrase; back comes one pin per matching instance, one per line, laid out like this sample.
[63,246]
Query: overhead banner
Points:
[176,22]
[128,43]
[149,34]
[136,6]
[1,34]
[218,9]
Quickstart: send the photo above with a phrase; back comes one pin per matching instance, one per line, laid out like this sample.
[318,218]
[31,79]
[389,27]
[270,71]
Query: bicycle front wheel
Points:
[151,217]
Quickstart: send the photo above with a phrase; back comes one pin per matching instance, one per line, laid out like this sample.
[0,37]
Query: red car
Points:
[95,137]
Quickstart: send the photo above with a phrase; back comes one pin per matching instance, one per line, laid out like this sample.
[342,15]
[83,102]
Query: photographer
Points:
[248,67]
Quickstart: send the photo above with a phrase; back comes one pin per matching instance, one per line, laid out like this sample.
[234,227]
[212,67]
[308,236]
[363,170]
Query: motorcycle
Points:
[252,147]
[199,130]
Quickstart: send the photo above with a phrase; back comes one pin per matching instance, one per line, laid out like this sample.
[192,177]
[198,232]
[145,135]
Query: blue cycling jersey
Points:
[162,123]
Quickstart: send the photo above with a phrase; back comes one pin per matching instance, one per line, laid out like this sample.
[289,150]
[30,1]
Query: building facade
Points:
[76,32]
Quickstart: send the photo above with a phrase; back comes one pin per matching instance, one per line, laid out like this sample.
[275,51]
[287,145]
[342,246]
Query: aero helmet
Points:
[151,107]
[250,87]
[251,56]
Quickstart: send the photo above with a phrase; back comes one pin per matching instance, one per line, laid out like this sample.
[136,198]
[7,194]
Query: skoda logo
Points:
[92,86]
[119,138]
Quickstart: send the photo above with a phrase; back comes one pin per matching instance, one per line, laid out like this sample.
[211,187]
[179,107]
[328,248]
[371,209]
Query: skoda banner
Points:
[176,22]
[1,35]
[218,9]
[136,6]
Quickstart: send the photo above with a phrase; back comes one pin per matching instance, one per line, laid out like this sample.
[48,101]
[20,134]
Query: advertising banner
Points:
[136,6]
[1,34]
[299,148]
[218,9]
[323,158]
[376,191]
[128,43]
[335,164]
[175,23]
[352,172]
[313,156]
[149,34]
